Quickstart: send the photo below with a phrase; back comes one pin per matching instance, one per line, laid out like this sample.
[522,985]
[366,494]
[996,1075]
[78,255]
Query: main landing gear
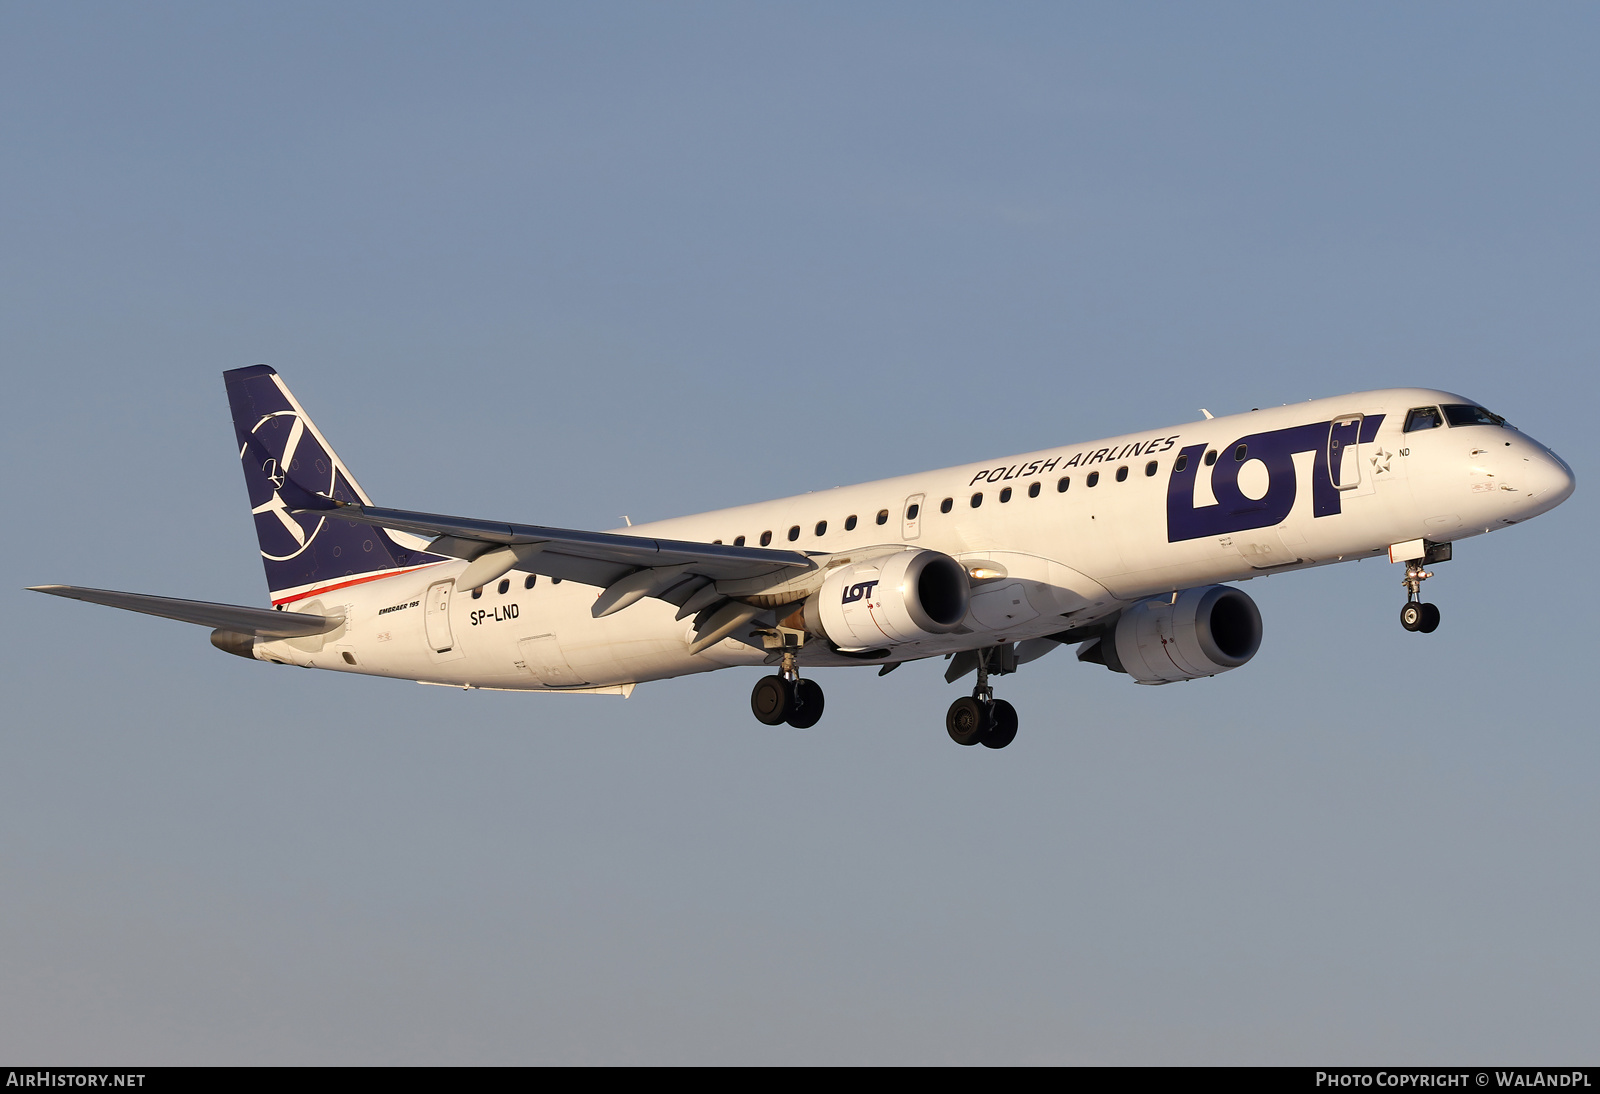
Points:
[981,719]
[1417,616]
[785,697]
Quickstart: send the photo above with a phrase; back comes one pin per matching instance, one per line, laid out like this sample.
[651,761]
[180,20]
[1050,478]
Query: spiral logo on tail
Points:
[284,534]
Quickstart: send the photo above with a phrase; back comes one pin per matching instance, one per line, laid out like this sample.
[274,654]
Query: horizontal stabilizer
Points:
[261,622]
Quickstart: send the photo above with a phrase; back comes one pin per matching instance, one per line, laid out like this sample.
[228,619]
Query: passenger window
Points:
[1005,495]
[822,527]
[1179,464]
[912,511]
[883,516]
[716,541]
[1423,417]
[1122,473]
[1150,469]
[505,586]
[478,592]
[946,504]
[766,539]
[1033,490]
[794,533]
[738,541]
[977,499]
[1062,484]
[1239,453]
[527,582]
[1093,479]
[1211,457]
[850,523]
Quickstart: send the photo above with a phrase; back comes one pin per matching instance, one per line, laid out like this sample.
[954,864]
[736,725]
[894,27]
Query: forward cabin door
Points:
[1344,452]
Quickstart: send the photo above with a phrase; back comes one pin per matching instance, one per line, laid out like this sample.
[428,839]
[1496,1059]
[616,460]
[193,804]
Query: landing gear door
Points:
[911,518]
[1344,452]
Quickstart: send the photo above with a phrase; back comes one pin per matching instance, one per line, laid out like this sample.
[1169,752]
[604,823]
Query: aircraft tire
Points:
[771,700]
[1003,725]
[806,704]
[1411,616]
[966,720]
[1430,619]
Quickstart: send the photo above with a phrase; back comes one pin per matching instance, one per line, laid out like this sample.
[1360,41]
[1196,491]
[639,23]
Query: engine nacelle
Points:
[1205,631]
[886,601]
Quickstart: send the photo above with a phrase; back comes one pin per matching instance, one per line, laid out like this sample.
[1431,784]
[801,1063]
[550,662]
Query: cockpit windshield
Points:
[1459,414]
[1423,417]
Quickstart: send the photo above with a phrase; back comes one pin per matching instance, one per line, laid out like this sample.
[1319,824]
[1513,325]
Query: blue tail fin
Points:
[288,464]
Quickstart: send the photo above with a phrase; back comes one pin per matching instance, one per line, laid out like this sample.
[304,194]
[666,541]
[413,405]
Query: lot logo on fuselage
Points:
[1234,511]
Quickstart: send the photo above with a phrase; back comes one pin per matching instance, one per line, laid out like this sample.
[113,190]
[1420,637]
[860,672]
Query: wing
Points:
[628,568]
[229,617]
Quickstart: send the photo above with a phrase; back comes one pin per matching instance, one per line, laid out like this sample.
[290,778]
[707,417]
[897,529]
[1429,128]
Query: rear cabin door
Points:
[436,617]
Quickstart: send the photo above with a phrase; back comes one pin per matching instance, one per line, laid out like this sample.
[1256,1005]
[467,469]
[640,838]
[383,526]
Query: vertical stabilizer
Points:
[289,464]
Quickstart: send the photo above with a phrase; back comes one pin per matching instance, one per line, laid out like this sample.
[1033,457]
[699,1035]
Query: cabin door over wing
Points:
[911,518]
[1344,452]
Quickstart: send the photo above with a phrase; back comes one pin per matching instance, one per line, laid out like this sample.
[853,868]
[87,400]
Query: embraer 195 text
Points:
[1118,545]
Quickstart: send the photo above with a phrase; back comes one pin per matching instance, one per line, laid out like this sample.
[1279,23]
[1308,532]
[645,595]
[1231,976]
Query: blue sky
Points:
[558,263]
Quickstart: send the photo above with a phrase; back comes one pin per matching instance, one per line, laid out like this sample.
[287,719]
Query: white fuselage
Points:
[1050,558]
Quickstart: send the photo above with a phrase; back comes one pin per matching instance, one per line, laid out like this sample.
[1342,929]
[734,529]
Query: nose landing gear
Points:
[1417,616]
[785,697]
[981,718]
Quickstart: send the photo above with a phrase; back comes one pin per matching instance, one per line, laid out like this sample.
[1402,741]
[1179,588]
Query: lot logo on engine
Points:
[859,591]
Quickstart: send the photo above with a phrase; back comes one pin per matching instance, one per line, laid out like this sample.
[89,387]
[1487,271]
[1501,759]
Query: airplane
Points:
[1123,546]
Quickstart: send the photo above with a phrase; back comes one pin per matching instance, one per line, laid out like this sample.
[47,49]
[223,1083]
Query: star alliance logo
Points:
[1380,461]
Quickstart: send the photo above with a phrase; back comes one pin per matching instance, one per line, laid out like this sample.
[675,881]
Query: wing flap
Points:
[261,622]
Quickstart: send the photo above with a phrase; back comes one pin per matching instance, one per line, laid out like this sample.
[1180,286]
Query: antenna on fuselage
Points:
[1207,413]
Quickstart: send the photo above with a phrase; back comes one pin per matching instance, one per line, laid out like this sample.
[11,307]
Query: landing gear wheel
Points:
[805,704]
[772,699]
[1003,725]
[1417,616]
[1430,619]
[966,720]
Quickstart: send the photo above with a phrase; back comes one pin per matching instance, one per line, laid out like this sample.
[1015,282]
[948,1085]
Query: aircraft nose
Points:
[1549,480]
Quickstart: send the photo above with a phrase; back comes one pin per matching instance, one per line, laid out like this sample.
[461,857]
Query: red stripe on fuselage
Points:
[362,580]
